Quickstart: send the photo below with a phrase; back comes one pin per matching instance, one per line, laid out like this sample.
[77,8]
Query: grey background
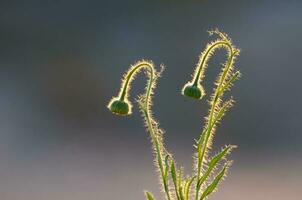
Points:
[61,61]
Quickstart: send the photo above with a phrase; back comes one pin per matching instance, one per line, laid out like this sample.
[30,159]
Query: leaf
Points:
[230,82]
[201,149]
[200,154]
[214,161]
[149,196]
[173,173]
[165,173]
[201,139]
[181,195]
[215,182]
[180,185]
[199,144]
[226,105]
[177,180]
[174,178]
[166,167]
[188,186]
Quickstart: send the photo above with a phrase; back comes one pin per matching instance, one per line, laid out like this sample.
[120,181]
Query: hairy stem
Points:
[146,112]
[217,94]
[129,75]
[154,137]
[158,153]
[204,59]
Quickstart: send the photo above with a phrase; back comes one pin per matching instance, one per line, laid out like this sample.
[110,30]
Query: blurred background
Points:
[61,61]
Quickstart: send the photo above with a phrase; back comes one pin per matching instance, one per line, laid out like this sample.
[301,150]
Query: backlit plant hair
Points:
[174,185]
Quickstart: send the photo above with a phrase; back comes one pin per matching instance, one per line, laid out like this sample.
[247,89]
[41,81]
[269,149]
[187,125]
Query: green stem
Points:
[204,58]
[158,153]
[129,77]
[215,99]
[154,138]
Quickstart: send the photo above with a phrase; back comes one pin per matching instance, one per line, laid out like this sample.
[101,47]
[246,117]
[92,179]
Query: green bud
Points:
[193,91]
[119,107]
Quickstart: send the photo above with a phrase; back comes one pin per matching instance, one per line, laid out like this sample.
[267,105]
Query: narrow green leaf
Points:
[166,167]
[165,173]
[200,153]
[229,83]
[214,161]
[215,182]
[188,186]
[173,172]
[174,178]
[226,105]
[180,185]
[201,138]
[149,196]
[181,194]
[200,142]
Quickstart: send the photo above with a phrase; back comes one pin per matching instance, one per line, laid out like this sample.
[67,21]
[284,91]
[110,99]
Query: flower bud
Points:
[193,91]
[119,107]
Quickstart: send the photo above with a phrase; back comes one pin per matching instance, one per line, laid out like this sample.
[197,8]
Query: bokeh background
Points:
[62,60]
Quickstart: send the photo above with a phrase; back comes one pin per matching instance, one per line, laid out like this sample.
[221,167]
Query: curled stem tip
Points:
[193,88]
[121,105]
